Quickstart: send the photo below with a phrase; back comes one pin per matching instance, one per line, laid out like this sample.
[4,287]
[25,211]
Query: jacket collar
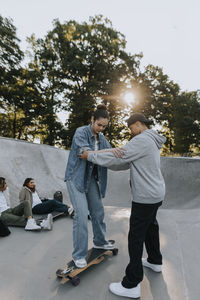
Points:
[90,130]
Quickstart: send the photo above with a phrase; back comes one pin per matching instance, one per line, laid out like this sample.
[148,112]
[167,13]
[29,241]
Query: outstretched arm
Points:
[116,153]
[133,150]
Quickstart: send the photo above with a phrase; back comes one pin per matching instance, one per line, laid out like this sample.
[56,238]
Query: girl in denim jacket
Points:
[86,184]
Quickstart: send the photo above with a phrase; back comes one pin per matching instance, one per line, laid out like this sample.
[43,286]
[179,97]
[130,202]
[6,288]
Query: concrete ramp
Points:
[29,260]
[44,163]
[47,165]
[182,179]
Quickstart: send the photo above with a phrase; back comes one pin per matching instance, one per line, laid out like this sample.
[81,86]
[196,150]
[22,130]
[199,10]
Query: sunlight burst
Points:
[129,98]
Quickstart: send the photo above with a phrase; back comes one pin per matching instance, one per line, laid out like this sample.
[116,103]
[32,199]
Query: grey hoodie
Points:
[142,156]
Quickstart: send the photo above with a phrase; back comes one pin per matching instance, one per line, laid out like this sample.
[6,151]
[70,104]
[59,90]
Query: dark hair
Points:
[26,181]
[101,112]
[138,117]
[2,182]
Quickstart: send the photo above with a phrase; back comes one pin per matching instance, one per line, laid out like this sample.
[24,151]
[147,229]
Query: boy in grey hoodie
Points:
[142,156]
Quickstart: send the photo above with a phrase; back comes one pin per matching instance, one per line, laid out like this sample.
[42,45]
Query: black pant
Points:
[143,229]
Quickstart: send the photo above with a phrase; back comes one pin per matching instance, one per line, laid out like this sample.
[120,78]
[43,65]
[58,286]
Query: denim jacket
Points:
[79,171]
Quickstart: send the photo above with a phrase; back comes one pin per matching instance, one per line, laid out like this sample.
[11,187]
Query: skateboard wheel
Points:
[115,251]
[59,271]
[75,280]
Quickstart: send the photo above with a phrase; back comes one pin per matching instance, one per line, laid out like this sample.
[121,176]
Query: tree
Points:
[185,122]
[45,67]
[73,68]
[10,71]
[94,69]
[176,113]
[155,96]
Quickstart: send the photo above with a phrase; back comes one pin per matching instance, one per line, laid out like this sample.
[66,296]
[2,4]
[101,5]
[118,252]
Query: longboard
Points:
[95,256]
[55,214]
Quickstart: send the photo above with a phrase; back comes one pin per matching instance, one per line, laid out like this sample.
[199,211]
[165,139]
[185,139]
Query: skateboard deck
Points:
[55,214]
[95,256]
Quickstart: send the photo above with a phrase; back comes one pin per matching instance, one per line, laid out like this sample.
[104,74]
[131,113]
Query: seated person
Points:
[20,215]
[29,193]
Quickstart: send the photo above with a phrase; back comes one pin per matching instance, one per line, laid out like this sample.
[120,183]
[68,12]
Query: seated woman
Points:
[20,215]
[29,193]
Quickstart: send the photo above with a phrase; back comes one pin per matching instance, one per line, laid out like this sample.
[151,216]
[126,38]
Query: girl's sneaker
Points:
[31,225]
[47,223]
[108,246]
[80,263]
[71,211]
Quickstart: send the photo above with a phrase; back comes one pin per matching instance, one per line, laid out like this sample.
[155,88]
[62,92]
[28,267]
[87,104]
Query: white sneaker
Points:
[31,225]
[71,211]
[155,268]
[108,246]
[47,223]
[80,263]
[117,289]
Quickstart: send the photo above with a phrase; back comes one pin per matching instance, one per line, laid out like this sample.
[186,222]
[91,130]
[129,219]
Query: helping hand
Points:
[84,154]
[118,152]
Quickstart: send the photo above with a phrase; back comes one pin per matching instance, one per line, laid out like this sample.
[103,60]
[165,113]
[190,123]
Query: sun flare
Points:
[129,98]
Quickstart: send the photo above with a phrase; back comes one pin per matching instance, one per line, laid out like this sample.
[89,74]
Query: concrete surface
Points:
[29,260]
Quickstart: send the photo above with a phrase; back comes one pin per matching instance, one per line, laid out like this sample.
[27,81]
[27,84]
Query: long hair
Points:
[2,183]
[26,182]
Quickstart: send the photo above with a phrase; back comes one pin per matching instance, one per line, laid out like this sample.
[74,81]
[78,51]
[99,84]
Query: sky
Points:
[165,31]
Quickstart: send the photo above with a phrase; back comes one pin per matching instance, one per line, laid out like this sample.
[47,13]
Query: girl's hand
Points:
[84,154]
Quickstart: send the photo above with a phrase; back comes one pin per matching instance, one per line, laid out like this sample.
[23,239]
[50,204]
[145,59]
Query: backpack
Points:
[4,231]
[58,196]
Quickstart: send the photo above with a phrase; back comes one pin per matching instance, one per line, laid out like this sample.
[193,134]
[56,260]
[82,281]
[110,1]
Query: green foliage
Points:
[175,112]
[45,68]
[10,71]
[75,67]
[11,54]
[155,94]
[94,69]
[185,122]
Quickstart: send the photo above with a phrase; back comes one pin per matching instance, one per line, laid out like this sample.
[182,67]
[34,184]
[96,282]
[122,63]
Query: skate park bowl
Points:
[29,260]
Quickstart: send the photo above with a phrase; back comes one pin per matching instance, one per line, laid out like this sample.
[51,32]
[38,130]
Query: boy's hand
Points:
[118,152]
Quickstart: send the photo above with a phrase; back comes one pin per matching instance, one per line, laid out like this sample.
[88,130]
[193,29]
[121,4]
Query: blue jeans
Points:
[48,206]
[82,203]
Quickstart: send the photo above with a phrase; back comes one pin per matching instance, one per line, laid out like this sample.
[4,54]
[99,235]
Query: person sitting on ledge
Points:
[39,207]
[20,215]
